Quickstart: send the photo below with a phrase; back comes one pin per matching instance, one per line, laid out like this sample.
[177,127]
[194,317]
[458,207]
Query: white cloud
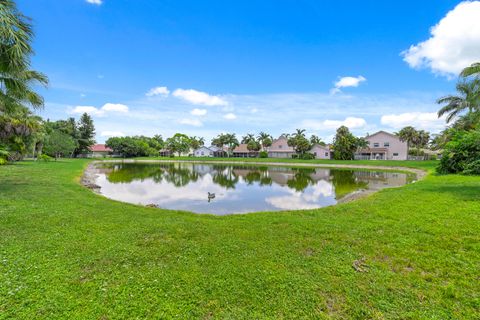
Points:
[198,112]
[230,116]
[345,82]
[107,108]
[199,98]
[454,43]
[191,122]
[87,109]
[350,122]
[97,2]
[114,107]
[158,91]
[419,120]
[110,134]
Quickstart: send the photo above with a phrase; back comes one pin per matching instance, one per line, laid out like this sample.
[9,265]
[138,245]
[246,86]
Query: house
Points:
[241,151]
[383,146]
[99,151]
[204,151]
[321,152]
[280,148]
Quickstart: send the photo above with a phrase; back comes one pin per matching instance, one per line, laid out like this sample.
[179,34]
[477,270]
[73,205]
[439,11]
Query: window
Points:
[395,154]
[326,154]
[376,145]
[280,147]
[202,153]
[386,144]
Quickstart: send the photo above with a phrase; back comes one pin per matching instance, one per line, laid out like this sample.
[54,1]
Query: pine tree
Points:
[86,134]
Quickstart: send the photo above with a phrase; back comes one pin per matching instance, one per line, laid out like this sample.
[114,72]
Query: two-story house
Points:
[383,146]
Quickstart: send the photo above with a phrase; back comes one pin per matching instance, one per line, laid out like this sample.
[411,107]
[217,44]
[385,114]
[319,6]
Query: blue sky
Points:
[205,67]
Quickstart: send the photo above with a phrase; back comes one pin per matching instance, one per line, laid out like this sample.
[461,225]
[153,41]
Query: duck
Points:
[211,196]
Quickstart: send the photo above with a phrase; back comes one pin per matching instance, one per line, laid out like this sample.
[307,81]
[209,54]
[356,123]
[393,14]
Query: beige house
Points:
[280,149]
[321,152]
[383,146]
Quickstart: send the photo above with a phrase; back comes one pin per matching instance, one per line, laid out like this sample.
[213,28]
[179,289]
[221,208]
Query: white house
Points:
[280,149]
[203,152]
[321,152]
[383,146]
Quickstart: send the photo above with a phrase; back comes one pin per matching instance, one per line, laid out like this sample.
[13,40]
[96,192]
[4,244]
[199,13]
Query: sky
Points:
[142,67]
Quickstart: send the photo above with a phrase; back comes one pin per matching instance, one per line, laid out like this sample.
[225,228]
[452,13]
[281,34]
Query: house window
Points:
[386,144]
[326,154]
[280,147]
[376,145]
[395,154]
[202,153]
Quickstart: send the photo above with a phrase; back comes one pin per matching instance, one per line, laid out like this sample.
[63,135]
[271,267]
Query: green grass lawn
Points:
[67,253]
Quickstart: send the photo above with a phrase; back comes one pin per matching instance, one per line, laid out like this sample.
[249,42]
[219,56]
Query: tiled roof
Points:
[100,148]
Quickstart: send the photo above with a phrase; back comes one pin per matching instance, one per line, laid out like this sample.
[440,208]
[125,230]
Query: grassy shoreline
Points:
[68,253]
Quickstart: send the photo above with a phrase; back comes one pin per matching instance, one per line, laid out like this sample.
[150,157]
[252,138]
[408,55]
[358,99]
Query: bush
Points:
[307,156]
[294,156]
[263,154]
[3,161]
[45,157]
[461,154]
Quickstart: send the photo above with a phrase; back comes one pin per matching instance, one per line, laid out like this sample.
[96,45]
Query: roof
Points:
[381,131]
[242,148]
[316,145]
[100,148]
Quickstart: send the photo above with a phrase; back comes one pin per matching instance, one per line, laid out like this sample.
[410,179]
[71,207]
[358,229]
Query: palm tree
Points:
[472,70]
[469,99]
[265,140]
[408,135]
[16,78]
[299,132]
[230,140]
[247,138]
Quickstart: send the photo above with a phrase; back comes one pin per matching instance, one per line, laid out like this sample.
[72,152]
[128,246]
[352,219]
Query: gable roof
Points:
[381,131]
[99,148]
[242,148]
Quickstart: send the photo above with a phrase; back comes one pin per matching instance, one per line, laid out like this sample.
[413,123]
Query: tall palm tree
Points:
[16,78]
[408,135]
[472,70]
[265,140]
[248,137]
[467,100]
[230,140]
[300,132]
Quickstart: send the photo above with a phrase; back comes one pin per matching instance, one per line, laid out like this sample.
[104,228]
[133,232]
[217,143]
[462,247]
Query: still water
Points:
[225,188]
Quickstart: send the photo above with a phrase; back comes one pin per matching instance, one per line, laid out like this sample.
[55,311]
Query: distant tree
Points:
[230,140]
[247,138]
[409,135]
[196,142]
[179,143]
[299,142]
[344,144]
[58,144]
[86,134]
[316,140]
[265,140]
[253,146]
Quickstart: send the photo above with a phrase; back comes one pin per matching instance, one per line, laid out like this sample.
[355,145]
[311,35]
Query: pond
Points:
[230,188]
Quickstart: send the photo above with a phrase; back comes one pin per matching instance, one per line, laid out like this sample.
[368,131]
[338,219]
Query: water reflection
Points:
[236,188]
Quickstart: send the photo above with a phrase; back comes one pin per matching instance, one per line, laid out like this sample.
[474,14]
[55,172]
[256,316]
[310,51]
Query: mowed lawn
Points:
[67,253]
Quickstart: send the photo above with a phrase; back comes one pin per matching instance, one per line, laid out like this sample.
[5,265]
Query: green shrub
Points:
[263,154]
[307,156]
[294,156]
[3,161]
[461,154]
[45,157]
